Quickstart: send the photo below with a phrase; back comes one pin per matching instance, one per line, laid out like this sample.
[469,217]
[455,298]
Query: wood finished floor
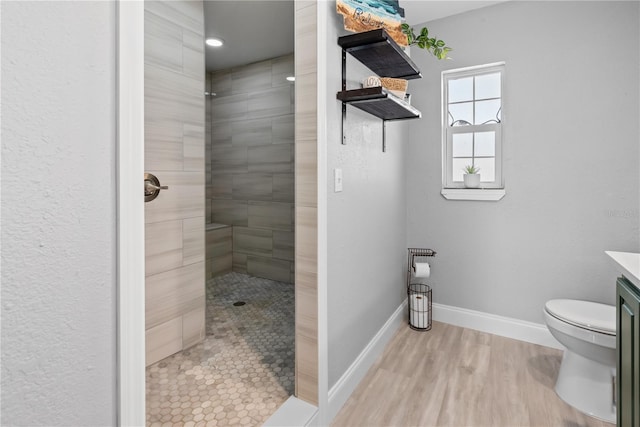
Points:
[453,376]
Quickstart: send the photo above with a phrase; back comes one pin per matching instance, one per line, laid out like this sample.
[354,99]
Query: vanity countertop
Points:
[629,264]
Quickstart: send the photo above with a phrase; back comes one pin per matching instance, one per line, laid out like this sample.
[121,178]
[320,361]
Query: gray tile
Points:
[221,186]
[193,326]
[283,187]
[207,157]
[270,103]
[283,245]
[251,77]
[268,268]
[163,246]
[170,294]
[187,14]
[193,146]
[207,210]
[163,148]
[219,242]
[306,186]
[275,158]
[283,129]
[167,87]
[194,240]
[193,62]
[229,212]
[252,186]
[251,132]
[192,40]
[270,215]
[162,42]
[219,265]
[184,199]
[239,262]
[174,79]
[221,133]
[163,339]
[230,107]
[252,241]
[226,159]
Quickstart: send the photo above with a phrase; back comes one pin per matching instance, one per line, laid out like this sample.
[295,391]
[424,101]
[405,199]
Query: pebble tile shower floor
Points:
[244,369]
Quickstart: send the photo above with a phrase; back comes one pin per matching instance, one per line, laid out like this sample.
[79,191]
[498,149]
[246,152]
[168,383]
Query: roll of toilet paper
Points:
[422,269]
[419,310]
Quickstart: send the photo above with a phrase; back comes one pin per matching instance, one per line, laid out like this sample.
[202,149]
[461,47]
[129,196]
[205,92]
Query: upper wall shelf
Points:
[379,102]
[381,54]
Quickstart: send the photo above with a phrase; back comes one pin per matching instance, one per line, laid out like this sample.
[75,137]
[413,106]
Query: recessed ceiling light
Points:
[291,78]
[215,42]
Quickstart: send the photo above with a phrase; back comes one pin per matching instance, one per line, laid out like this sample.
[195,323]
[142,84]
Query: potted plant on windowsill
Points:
[471,176]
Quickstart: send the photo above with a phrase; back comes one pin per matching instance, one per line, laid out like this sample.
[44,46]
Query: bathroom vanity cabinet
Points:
[628,339]
[628,347]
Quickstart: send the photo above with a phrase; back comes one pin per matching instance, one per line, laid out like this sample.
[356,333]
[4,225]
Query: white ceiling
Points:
[254,30]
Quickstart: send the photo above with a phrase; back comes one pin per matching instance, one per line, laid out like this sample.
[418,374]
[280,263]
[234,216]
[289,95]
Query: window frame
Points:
[449,131]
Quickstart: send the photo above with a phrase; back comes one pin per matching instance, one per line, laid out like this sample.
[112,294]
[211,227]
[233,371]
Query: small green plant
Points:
[437,47]
[470,169]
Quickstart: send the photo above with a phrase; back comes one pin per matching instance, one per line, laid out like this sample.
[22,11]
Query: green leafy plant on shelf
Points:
[470,169]
[435,46]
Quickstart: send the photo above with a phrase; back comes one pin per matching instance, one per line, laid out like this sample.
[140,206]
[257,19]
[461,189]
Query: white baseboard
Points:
[522,330]
[340,392]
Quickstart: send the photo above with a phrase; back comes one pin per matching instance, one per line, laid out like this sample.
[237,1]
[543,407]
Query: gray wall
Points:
[366,222]
[570,157]
[58,213]
[251,165]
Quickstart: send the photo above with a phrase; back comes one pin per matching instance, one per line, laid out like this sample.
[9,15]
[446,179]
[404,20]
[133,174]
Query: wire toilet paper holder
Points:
[418,293]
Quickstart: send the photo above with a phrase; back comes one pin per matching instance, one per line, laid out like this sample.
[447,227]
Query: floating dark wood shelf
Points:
[380,103]
[382,55]
[378,51]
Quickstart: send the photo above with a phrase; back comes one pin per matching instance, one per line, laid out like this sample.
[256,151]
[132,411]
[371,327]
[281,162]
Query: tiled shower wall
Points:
[174,152]
[250,164]
[306,136]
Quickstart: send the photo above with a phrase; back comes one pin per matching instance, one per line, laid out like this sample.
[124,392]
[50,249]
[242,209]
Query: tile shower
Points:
[249,163]
[244,368]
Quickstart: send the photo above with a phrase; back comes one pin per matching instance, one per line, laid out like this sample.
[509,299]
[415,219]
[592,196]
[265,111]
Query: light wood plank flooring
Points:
[453,376]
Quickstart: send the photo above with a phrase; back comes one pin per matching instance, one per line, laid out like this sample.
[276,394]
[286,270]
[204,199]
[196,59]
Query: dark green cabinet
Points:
[628,354]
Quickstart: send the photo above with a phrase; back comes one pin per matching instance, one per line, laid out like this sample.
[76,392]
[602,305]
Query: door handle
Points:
[149,187]
[152,187]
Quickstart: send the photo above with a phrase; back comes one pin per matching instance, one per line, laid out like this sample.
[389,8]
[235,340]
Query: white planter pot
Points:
[471,180]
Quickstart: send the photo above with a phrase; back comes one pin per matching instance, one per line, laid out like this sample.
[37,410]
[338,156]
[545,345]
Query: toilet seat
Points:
[592,316]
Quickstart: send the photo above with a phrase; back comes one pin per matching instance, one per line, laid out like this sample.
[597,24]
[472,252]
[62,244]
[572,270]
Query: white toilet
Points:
[588,369]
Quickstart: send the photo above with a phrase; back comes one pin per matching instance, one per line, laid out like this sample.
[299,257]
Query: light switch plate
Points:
[337,180]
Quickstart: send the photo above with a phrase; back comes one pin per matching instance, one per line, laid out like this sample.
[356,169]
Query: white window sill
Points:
[487,194]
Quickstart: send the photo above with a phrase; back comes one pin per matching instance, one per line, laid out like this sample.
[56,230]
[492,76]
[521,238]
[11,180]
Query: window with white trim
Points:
[472,113]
